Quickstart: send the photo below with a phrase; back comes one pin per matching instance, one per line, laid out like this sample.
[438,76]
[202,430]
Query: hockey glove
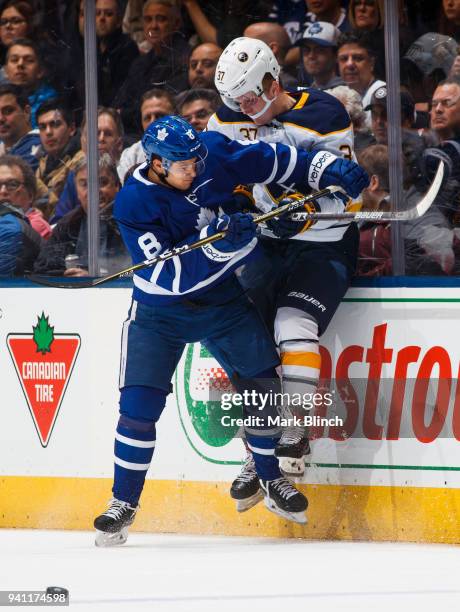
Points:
[243,199]
[240,230]
[289,225]
[327,169]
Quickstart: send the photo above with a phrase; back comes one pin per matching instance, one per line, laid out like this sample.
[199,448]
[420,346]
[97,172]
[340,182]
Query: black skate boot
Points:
[112,525]
[245,489]
[291,450]
[282,498]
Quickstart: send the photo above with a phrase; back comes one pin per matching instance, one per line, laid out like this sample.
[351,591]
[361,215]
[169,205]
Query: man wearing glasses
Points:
[445,110]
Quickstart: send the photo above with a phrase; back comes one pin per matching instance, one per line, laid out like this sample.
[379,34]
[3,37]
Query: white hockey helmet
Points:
[242,67]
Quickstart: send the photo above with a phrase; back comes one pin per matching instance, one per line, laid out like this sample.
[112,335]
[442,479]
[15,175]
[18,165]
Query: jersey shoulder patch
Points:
[318,112]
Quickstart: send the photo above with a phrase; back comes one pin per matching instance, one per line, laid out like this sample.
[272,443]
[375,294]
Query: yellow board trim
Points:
[336,512]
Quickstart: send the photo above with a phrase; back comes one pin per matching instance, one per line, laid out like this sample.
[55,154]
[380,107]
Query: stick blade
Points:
[61,283]
[431,194]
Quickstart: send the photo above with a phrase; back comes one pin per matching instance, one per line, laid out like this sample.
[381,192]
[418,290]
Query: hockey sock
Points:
[263,452]
[262,440]
[296,335]
[135,440]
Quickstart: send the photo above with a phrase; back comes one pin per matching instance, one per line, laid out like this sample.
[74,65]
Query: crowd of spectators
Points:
[158,57]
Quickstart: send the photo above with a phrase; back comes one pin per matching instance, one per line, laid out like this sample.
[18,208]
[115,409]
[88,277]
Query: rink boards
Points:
[392,472]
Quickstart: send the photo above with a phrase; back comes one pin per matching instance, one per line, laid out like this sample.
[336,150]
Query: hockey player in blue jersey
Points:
[308,266]
[176,197]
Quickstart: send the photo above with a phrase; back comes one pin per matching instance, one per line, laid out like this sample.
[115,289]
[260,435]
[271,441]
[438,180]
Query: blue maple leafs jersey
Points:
[153,217]
[316,122]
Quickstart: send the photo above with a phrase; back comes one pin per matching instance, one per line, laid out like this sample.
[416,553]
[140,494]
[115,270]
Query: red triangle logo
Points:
[44,371]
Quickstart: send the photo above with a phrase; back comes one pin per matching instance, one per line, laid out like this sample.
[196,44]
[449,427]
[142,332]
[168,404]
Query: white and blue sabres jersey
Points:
[154,218]
[317,121]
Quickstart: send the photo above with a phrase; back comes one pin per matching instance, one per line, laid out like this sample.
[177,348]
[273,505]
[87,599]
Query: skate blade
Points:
[246,504]
[291,466]
[104,539]
[296,517]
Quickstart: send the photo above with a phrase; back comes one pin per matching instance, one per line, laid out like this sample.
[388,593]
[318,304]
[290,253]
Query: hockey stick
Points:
[378,216]
[186,248]
[381,216]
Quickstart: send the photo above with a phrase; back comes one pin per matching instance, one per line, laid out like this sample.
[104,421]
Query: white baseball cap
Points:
[321,33]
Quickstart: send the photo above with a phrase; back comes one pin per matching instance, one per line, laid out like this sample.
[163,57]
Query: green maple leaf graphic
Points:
[43,335]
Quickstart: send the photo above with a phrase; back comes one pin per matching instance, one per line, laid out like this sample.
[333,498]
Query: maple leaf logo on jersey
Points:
[190,134]
[43,362]
[205,216]
[162,134]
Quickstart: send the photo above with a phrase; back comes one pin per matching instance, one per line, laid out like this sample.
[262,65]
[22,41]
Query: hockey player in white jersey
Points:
[308,266]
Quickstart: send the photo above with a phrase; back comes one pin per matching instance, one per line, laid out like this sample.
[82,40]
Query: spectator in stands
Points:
[24,67]
[197,105]
[155,103]
[413,144]
[352,102]
[327,10]
[374,257]
[19,242]
[318,51]
[165,65]
[18,187]
[115,50]
[202,65]
[61,151]
[276,37]
[449,22]
[445,110]
[369,16]
[290,14]
[16,134]
[70,236]
[220,21]
[427,62]
[356,65]
[110,132]
[110,140]
[15,22]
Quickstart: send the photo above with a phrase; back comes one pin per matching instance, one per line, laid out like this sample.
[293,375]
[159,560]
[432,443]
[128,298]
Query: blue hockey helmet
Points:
[174,140]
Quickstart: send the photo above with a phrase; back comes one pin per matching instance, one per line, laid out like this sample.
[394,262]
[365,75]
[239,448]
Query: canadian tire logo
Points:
[44,362]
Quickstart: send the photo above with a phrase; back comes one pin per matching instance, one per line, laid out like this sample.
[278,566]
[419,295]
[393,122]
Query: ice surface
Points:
[179,573]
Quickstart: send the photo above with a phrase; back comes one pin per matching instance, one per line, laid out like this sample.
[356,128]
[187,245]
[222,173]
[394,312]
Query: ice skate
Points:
[245,489]
[283,499]
[291,450]
[112,525]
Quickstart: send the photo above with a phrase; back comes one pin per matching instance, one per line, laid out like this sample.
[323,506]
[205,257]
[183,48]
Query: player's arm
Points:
[265,163]
[198,268]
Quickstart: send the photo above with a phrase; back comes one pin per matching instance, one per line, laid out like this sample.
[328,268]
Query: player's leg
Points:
[318,278]
[144,388]
[244,347]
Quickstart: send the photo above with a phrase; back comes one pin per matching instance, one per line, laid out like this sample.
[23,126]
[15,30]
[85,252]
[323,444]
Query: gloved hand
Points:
[327,169]
[240,228]
[291,224]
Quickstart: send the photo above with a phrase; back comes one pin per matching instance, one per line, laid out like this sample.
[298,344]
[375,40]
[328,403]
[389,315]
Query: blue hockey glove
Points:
[289,225]
[240,229]
[327,169]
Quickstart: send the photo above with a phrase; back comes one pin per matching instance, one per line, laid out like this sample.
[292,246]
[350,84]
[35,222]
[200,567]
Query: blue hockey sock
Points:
[260,442]
[135,440]
[263,451]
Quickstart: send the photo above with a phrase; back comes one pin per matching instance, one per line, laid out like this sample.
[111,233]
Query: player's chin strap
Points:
[267,105]
[374,215]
